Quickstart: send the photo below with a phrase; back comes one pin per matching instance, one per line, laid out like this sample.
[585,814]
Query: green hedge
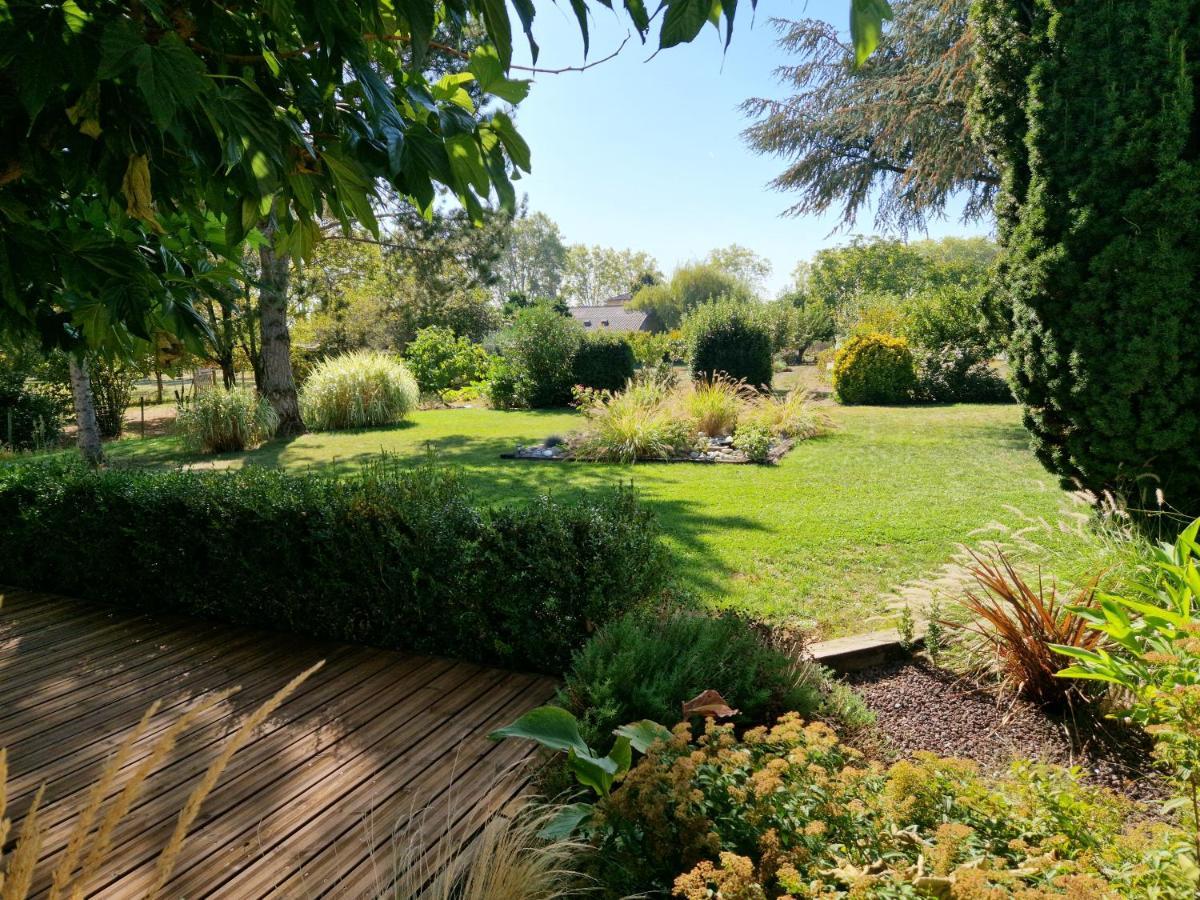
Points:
[730,338]
[604,361]
[393,557]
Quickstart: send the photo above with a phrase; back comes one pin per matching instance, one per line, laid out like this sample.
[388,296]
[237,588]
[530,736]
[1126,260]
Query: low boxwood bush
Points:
[604,361]
[221,421]
[647,663]
[954,375]
[729,338]
[362,389]
[393,557]
[874,368]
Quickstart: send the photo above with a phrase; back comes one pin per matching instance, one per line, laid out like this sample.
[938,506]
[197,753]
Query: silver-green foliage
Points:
[362,389]
[220,421]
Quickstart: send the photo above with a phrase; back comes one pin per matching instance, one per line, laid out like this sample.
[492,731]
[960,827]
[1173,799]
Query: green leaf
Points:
[499,28]
[866,26]
[566,821]
[683,21]
[467,163]
[170,76]
[490,74]
[419,14]
[551,726]
[644,733]
[514,144]
[355,189]
[596,772]
[621,755]
[118,45]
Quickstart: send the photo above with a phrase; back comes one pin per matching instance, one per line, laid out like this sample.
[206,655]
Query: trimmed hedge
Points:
[392,557]
[604,361]
[730,338]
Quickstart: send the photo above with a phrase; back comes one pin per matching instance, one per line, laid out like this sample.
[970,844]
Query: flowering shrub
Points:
[788,812]
[874,368]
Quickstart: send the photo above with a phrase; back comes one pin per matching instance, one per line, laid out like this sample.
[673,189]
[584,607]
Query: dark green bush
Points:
[730,338]
[539,350]
[1091,110]
[31,414]
[604,361]
[874,368]
[646,664]
[952,375]
[393,557]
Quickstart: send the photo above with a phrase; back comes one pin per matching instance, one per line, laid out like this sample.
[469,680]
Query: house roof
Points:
[610,317]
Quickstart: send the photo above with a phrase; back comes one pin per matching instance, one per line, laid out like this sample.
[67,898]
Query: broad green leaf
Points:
[621,755]
[596,772]
[514,144]
[420,17]
[683,21]
[467,163]
[355,189]
[551,726]
[499,28]
[170,76]
[866,26]
[644,733]
[566,821]
[485,66]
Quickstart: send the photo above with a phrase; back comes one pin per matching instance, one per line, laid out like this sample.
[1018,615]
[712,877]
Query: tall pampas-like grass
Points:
[362,389]
[509,860]
[220,421]
[90,838]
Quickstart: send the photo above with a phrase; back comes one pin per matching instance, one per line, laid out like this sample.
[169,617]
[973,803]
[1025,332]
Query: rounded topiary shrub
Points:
[221,421]
[729,338]
[874,368]
[358,390]
[604,361]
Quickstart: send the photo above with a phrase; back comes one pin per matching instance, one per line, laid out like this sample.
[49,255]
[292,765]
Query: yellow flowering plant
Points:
[790,812]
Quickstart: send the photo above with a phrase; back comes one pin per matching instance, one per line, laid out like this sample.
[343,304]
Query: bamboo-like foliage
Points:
[95,824]
[892,131]
[1018,622]
[358,390]
[220,421]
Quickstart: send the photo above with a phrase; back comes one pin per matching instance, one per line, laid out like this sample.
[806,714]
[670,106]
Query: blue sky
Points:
[647,153]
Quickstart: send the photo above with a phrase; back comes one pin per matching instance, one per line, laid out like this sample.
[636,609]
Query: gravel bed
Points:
[919,707]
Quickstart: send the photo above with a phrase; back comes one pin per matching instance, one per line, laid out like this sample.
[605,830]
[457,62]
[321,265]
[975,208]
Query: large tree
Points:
[594,275]
[156,136]
[535,261]
[1091,112]
[892,131]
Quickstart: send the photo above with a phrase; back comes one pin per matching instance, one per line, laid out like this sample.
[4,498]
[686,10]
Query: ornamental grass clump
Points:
[637,423]
[362,389]
[789,416]
[714,404]
[1020,625]
[220,421]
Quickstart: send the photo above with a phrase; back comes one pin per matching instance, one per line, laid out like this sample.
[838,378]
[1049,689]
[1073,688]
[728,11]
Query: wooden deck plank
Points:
[309,806]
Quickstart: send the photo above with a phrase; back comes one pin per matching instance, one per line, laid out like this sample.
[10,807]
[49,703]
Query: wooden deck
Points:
[379,757]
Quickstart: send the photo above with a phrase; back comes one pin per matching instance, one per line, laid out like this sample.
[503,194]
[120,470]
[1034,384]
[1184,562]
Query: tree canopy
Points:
[892,131]
[156,136]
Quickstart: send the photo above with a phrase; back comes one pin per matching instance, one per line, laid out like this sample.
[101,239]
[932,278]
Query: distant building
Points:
[614,315]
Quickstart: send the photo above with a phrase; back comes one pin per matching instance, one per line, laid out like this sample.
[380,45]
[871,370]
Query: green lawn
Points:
[841,521]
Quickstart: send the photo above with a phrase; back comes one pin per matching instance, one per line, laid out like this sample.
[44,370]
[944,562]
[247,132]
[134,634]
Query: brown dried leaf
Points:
[708,703]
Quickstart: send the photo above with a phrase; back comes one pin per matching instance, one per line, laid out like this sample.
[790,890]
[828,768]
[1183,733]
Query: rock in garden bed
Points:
[717,450]
[923,708]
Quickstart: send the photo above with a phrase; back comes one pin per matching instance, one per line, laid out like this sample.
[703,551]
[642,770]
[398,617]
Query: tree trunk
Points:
[88,437]
[277,385]
[158,378]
